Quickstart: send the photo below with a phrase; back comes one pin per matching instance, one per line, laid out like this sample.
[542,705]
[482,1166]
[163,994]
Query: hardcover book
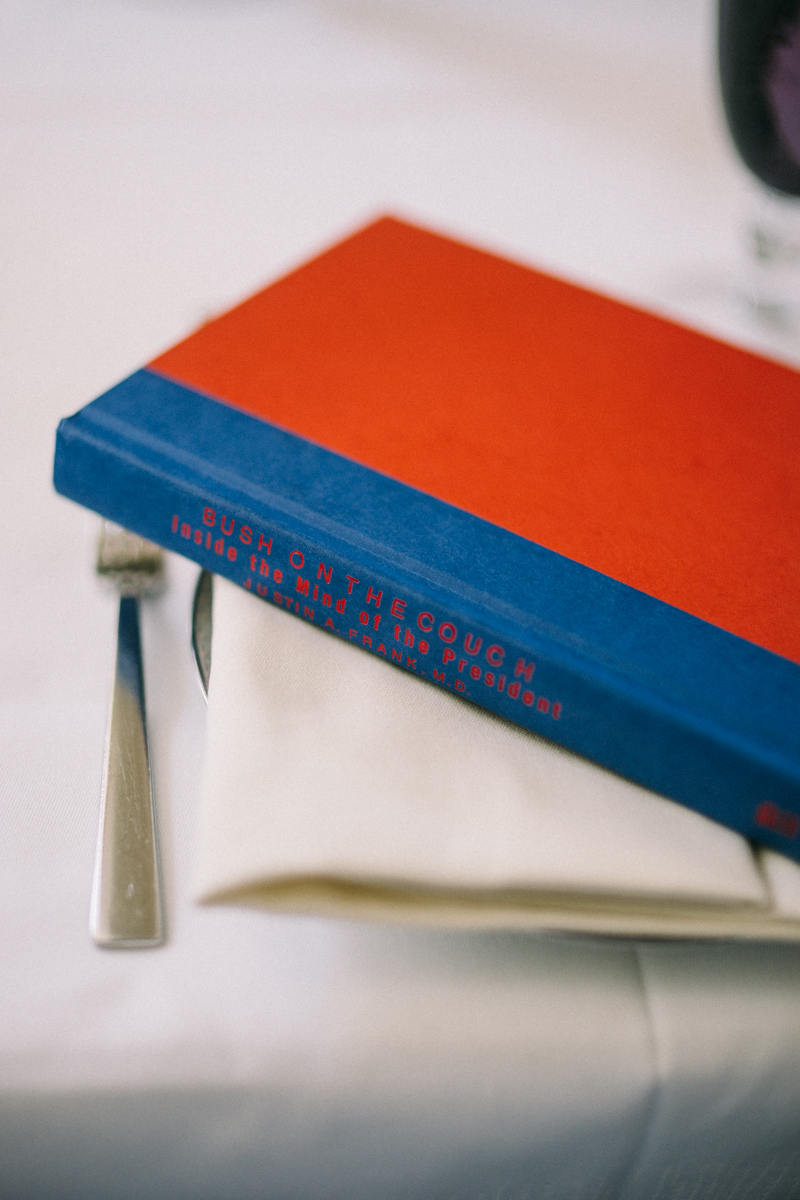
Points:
[571,512]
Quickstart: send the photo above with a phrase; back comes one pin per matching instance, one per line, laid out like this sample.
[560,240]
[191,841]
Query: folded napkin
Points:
[337,784]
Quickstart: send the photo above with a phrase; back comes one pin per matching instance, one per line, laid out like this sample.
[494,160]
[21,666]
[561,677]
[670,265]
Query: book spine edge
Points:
[384,615]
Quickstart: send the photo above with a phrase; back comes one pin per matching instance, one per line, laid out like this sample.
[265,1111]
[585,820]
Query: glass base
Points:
[771,267]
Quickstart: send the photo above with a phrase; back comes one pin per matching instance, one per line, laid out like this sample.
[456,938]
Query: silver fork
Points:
[126,907]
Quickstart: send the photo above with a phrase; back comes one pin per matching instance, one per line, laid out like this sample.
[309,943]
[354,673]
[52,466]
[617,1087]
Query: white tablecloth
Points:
[158,161]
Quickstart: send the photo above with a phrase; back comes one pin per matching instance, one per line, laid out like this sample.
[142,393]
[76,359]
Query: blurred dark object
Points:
[759,64]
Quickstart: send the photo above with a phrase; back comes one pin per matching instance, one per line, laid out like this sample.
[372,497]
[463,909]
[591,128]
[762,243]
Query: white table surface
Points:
[158,161]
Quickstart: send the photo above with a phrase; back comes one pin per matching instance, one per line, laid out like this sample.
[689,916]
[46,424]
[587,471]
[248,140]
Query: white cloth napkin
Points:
[337,784]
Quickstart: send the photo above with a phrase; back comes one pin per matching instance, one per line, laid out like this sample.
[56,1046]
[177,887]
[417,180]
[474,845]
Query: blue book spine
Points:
[660,697]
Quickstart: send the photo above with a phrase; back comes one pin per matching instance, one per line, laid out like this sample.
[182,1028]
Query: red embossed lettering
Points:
[525,668]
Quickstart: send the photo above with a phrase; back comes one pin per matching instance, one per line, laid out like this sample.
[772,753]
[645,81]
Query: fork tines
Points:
[132,564]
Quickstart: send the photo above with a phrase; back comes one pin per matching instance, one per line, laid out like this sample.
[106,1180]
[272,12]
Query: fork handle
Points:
[126,905]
